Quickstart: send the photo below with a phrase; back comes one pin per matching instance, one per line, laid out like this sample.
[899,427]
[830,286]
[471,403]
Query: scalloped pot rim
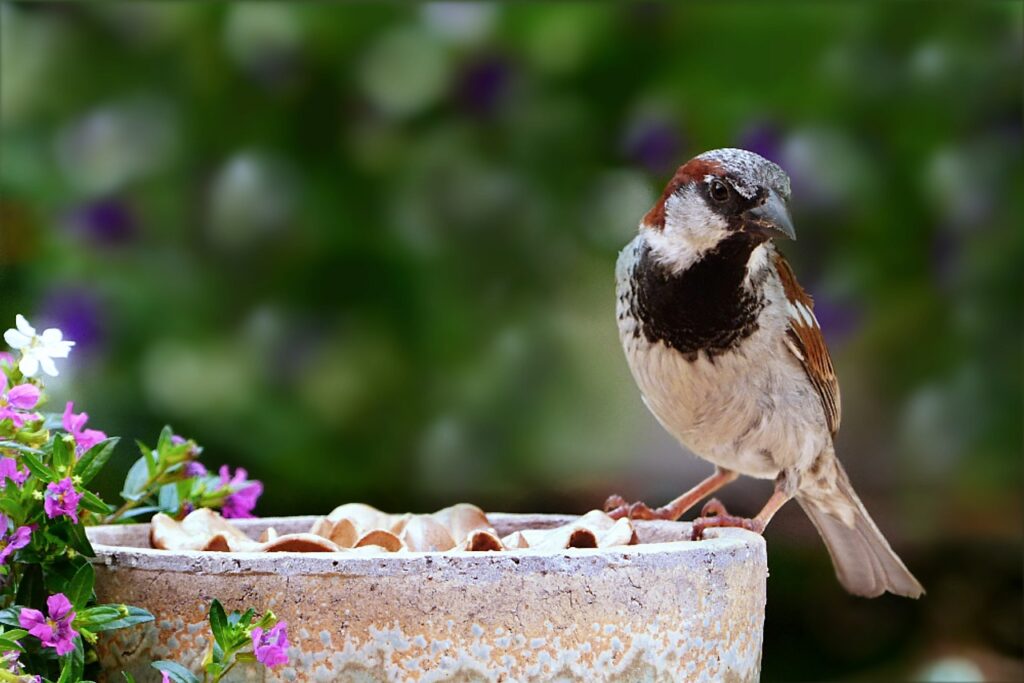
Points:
[657,539]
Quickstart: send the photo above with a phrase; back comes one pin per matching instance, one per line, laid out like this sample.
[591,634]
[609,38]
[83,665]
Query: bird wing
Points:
[805,341]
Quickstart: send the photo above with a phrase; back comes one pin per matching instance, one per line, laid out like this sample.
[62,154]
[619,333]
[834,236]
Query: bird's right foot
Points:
[714,514]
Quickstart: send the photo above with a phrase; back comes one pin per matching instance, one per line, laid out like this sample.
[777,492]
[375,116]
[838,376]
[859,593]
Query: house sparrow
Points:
[729,357]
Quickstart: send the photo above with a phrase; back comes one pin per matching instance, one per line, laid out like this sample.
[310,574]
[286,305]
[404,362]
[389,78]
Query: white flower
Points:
[37,351]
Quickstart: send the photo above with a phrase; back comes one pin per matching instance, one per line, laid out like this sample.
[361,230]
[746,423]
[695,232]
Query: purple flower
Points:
[165,677]
[764,138]
[9,470]
[62,499]
[10,542]
[15,403]
[483,85]
[653,142]
[54,631]
[77,311]
[9,662]
[75,426]
[839,320]
[195,469]
[107,222]
[271,647]
[6,359]
[244,493]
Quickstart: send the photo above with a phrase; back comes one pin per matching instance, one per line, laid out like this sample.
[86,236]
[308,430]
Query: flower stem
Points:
[224,673]
[129,504]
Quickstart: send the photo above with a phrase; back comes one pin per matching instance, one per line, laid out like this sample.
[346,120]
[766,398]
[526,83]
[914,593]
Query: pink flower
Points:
[54,631]
[165,677]
[9,470]
[244,493]
[75,426]
[62,499]
[23,396]
[11,542]
[15,403]
[271,647]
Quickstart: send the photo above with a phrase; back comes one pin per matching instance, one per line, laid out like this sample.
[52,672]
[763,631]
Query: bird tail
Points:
[863,560]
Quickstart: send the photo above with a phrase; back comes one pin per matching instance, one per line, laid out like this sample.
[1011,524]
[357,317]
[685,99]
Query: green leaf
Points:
[79,588]
[168,498]
[219,624]
[79,541]
[164,442]
[9,616]
[31,589]
[152,463]
[18,446]
[15,633]
[7,644]
[137,512]
[10,507]
[90,501]
[135,482]
[93,460]
[246,619]
[62,455]
[110,617]
[36,467]
[176,672]
[128,678]
[94,617]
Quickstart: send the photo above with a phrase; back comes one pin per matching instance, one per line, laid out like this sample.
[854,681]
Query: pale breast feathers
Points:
[806,342]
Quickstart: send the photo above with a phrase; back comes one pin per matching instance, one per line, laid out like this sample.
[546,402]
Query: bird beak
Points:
[770,219]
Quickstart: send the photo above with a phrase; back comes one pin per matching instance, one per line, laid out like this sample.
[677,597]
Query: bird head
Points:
[714,196]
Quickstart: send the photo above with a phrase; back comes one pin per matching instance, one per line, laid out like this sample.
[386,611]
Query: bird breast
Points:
[750,408]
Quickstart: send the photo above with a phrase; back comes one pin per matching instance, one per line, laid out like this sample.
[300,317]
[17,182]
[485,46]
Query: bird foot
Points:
[616,507]
[714,514]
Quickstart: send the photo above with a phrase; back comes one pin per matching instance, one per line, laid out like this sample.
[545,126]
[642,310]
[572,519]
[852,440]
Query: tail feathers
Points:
[863,560]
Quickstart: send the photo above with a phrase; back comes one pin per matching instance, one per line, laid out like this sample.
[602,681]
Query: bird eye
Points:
[719,191]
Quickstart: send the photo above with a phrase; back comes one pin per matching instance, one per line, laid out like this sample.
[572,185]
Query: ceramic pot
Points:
[668,609]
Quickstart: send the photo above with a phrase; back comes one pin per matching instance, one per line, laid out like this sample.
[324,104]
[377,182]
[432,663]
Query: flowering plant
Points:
[237,637]
[49,614]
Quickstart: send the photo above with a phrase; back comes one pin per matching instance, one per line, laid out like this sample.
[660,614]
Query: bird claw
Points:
[714,514]
[614,502]
[714,508]
[616,507]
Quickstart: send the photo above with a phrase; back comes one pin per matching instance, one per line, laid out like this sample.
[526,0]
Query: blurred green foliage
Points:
[366,251]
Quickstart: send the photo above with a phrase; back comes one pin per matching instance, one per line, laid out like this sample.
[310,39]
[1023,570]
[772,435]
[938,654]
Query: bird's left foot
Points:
[616,507]
[714,514]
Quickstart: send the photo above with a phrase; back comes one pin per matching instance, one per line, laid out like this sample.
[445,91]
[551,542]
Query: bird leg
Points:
[617,507]
[714,514]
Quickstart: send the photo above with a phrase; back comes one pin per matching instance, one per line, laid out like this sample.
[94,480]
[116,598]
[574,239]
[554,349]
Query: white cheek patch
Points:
[691,230]
[688,216]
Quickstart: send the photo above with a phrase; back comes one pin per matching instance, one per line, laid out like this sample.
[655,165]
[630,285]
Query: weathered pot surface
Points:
[665,610]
